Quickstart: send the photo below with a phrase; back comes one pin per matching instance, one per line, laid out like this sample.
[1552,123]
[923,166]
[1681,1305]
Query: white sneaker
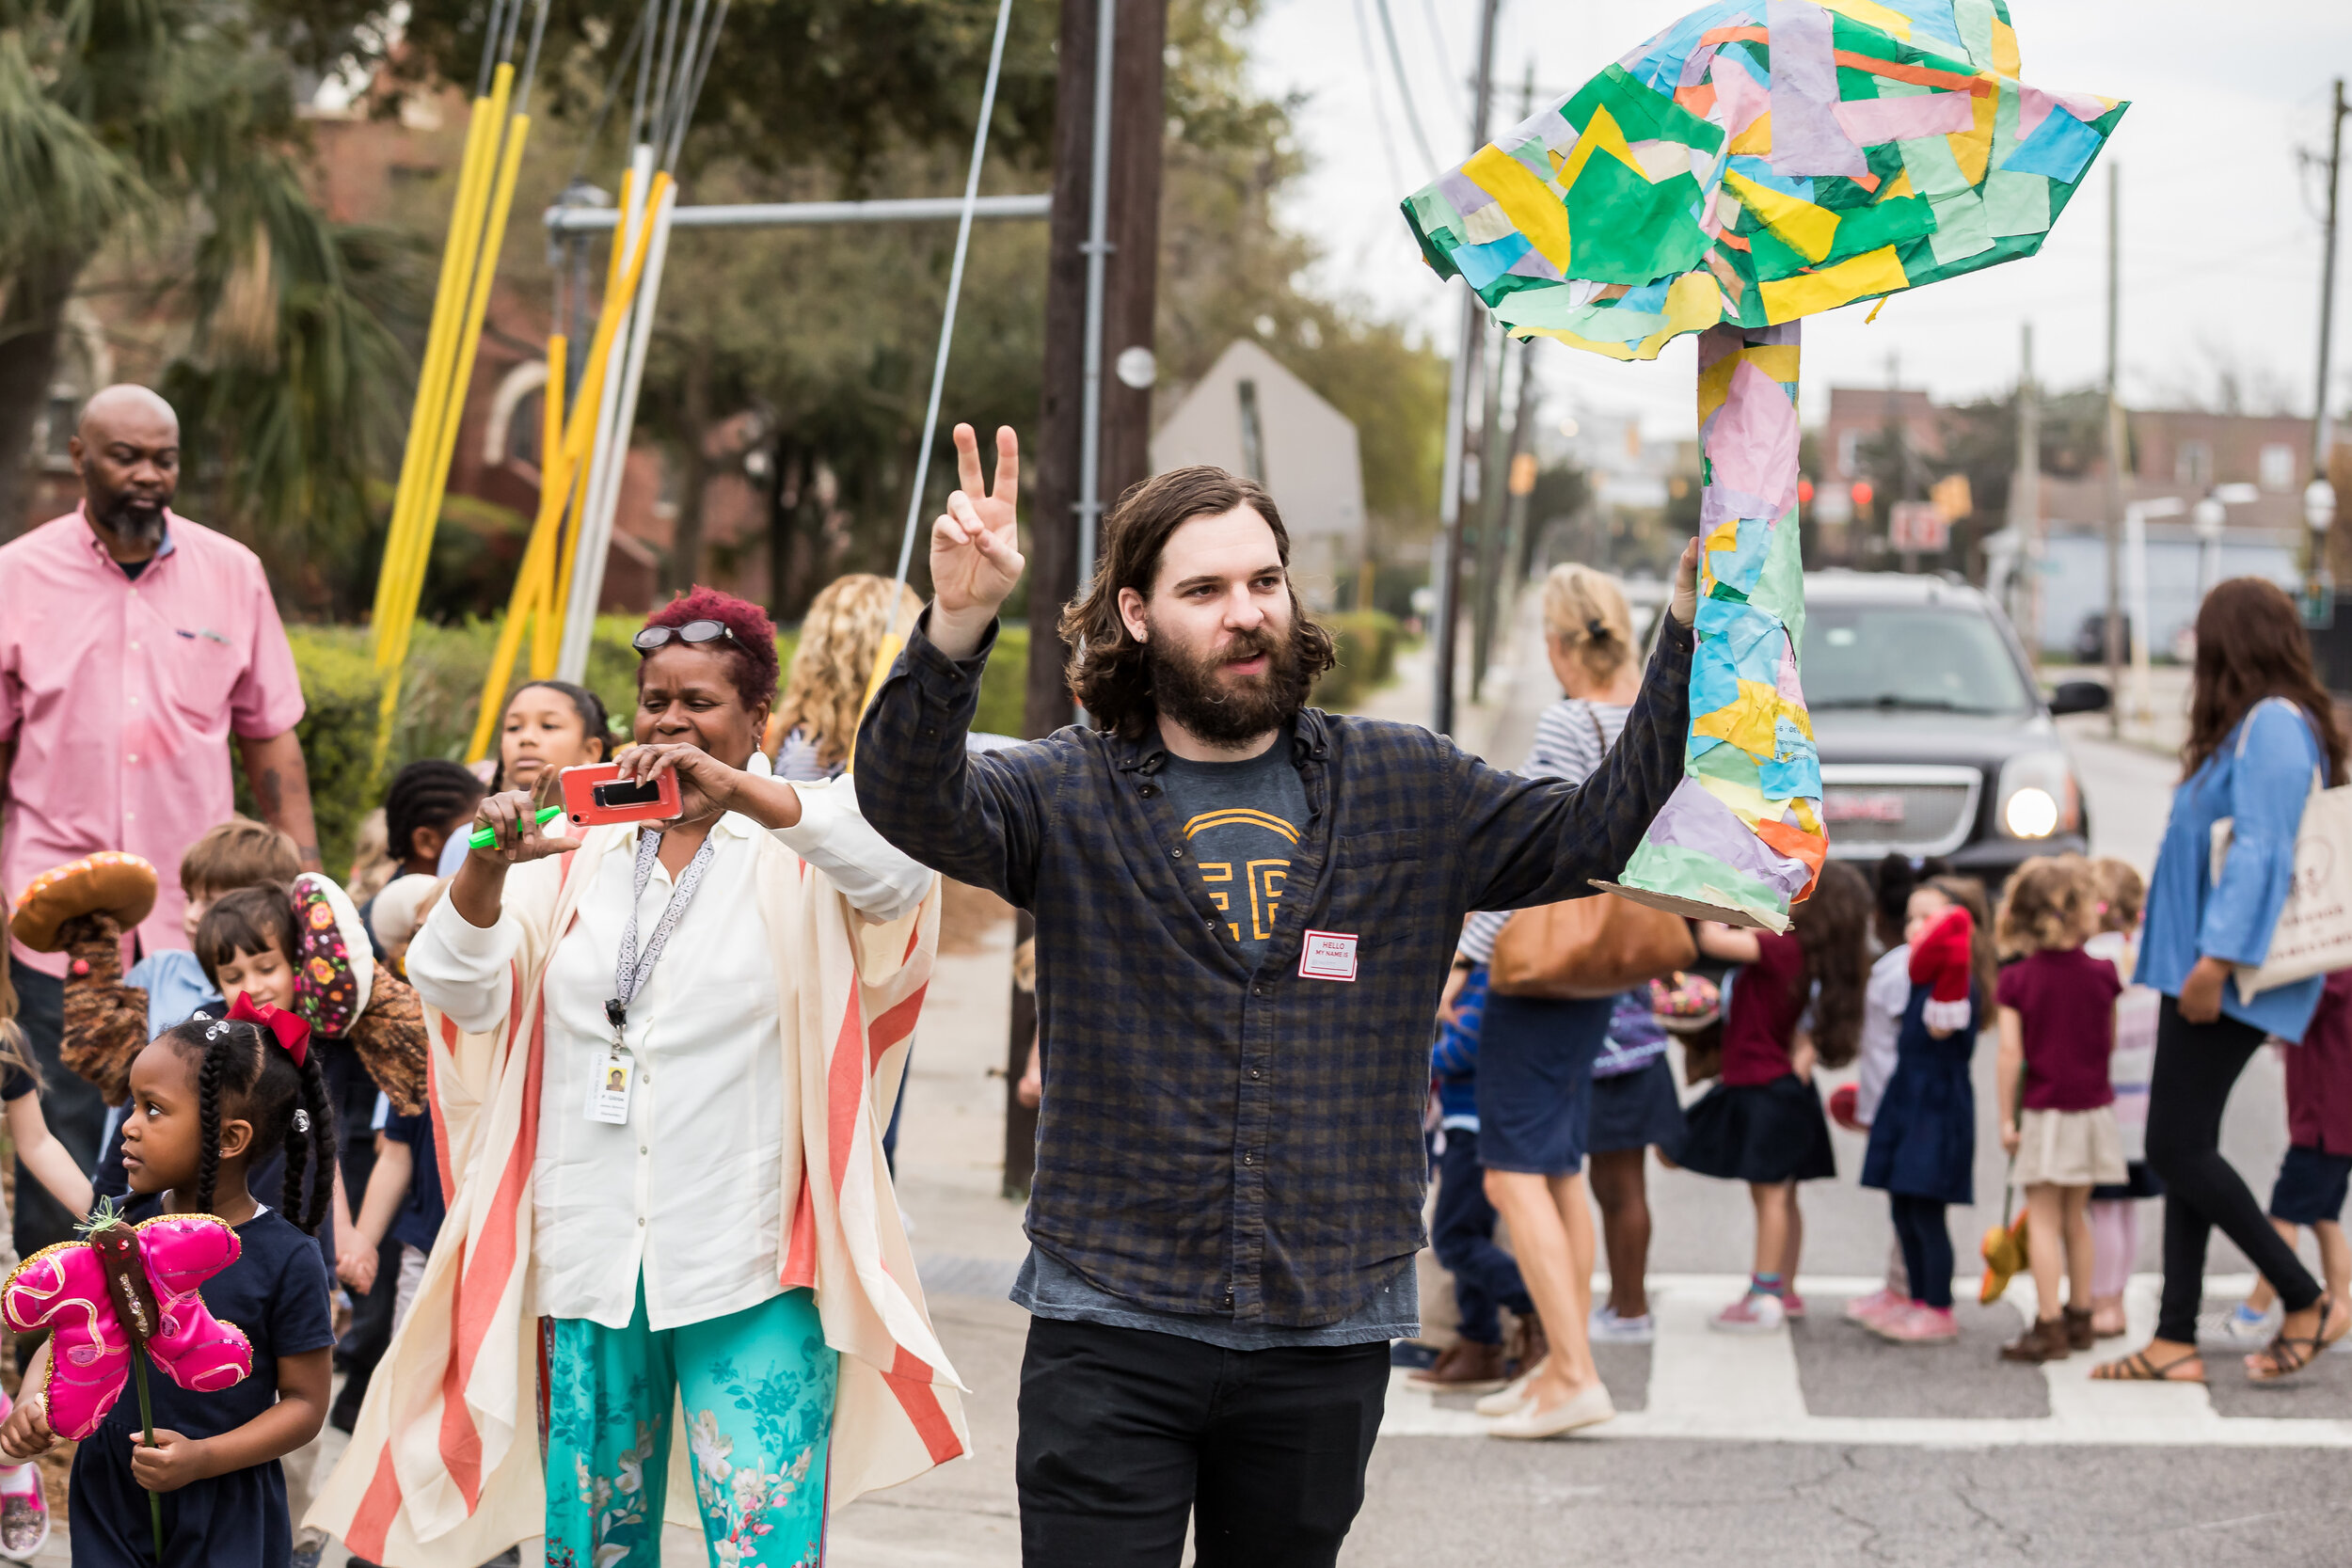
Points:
[1608,1328]
[2236,1326]
[1758,1312]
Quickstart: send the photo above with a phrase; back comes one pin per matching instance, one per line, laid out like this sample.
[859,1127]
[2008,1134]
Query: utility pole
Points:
[2024,492]
[1059,511]
[1898,436]
[1523,478]
[1494,462]
[1087,331]
[1446,560]
[2322,420]
[1494,456]
[2118,447]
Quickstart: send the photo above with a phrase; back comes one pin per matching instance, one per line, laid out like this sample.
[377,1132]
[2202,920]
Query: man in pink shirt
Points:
[134,646]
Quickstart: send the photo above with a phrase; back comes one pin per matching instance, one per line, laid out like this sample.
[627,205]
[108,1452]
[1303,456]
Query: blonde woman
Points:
[1539,1110]
[824,691]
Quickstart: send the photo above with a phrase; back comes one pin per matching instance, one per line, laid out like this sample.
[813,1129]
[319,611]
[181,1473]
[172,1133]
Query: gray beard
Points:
[133,526]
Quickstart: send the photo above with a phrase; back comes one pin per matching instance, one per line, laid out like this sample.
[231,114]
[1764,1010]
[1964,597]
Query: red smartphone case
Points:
[579,797]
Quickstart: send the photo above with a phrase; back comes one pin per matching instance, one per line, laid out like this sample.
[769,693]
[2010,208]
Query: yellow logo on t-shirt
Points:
[1246,874]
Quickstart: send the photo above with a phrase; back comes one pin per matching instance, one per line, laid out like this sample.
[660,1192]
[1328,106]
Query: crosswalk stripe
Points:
[1722,1388]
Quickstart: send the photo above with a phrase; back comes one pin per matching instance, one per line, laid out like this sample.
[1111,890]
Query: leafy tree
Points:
[163,132]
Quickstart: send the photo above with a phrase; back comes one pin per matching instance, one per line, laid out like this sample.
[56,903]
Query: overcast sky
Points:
[2222,229]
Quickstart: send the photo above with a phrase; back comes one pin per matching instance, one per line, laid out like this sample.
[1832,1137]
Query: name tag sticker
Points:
[1328,956]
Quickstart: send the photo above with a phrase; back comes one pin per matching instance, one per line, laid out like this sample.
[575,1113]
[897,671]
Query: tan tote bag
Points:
[2314,931]
[1588,947]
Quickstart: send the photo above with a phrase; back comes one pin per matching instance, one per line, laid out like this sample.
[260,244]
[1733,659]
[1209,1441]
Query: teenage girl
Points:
[206,1099]
[1923,1138]
[1763,1124]
[549,726]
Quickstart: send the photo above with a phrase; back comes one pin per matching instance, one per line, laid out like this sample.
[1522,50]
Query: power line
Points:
[1405,89]
[1379,108]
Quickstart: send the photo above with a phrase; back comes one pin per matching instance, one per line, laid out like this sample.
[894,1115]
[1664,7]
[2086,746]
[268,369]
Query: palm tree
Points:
[167,124]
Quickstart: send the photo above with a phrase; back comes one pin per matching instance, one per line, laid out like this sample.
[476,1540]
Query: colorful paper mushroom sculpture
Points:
[1751,165]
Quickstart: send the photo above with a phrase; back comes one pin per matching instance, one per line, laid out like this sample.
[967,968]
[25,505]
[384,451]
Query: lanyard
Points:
[633,969]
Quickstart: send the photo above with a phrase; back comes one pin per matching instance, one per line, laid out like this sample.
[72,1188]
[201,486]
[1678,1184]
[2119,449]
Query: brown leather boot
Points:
[2044,1341]
[1464,1367]
[2078,1335]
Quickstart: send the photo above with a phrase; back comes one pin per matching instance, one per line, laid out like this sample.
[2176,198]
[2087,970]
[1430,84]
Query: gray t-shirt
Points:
[1241,821]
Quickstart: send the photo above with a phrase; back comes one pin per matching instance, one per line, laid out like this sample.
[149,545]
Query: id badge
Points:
[608,1091]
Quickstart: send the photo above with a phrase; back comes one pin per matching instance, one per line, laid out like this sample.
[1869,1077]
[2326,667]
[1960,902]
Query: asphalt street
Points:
[1819,1446]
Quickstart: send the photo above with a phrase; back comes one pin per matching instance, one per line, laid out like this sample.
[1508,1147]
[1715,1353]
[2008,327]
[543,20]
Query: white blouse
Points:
[684,1196]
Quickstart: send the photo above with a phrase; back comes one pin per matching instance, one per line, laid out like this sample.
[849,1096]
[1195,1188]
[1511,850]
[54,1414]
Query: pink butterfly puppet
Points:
[122,1287]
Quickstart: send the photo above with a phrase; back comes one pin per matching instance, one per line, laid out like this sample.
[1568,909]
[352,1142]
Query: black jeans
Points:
[1927,1242]
[2197,1064]
[1462,1233]
[1126,1434]
[70,1104]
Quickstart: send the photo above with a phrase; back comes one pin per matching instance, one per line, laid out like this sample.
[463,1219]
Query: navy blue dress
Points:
[1923,1141]
[277,1293]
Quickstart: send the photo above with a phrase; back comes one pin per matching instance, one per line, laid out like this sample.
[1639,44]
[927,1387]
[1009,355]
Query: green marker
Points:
[488,838]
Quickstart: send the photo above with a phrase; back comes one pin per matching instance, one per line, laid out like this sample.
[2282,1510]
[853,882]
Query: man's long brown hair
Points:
[2250,646]
[1108,670]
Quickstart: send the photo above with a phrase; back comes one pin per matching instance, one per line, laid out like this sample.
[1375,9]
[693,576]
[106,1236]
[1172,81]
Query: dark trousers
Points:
[370,1336]
[1927,1244]
[1462,1233]
[2197,1065]
[1126,1434]
[70,1104]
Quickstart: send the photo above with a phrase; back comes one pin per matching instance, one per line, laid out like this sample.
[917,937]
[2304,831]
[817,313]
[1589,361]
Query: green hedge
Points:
[1366,642]
[441,691]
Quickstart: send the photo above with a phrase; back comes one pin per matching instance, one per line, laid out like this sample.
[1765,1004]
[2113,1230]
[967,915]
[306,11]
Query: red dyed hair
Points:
[753,654]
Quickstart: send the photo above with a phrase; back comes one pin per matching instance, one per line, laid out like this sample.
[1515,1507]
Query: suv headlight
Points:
[2039,796]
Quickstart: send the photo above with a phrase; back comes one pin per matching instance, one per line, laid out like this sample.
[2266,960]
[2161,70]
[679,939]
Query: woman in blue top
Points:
[2260,725]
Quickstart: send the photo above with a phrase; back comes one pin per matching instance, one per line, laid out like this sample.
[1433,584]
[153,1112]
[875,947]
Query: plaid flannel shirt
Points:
[1219,1139]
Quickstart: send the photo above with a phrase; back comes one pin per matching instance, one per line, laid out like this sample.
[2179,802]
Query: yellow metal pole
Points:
[560,480]
[448,307]
[463,330]
[393,647]
[555,473]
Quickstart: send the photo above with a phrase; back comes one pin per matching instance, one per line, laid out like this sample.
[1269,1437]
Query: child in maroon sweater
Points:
[2318,1166]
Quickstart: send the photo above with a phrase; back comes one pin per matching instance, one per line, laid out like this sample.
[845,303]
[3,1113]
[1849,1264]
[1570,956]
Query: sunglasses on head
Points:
[692,633]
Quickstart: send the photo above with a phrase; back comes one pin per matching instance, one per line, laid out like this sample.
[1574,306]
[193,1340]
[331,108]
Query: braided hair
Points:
[243,1070]
[428,794]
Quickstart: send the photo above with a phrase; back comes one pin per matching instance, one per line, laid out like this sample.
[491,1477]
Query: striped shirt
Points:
[1571,739]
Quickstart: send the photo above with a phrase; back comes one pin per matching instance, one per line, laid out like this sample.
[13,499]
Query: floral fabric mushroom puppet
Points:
[1753,165]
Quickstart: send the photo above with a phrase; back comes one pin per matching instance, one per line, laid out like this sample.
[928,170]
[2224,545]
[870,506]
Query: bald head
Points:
[127,408]
[127,451]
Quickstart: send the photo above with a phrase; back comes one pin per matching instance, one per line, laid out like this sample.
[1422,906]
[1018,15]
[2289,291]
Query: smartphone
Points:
[596,794]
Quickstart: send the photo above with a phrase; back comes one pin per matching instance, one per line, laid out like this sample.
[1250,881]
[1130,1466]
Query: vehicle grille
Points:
[1917,810]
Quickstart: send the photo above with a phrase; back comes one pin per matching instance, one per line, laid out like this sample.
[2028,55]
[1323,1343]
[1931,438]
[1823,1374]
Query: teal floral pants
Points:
[758,1388]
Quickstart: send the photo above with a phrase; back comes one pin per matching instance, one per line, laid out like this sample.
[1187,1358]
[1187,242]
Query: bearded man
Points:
[134,646]
[1245,908]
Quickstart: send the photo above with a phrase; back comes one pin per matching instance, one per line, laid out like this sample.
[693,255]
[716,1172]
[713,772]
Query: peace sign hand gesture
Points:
[976,546]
